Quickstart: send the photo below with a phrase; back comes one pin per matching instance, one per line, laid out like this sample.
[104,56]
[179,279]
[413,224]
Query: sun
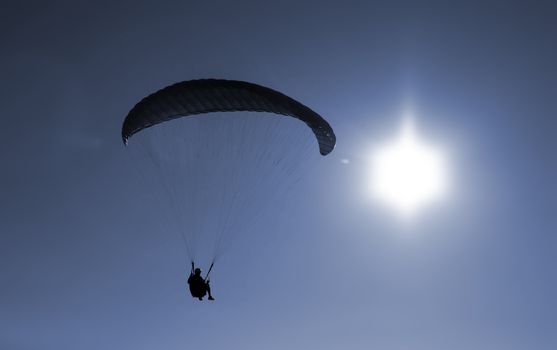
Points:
[409,174]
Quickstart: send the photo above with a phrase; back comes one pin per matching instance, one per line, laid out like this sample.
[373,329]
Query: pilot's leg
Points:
[209,291]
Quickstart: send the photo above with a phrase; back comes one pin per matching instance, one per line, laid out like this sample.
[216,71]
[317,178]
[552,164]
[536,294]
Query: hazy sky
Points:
[84,264]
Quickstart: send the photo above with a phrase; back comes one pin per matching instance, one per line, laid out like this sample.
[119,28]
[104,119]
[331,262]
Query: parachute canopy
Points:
[216,175]
[216,95]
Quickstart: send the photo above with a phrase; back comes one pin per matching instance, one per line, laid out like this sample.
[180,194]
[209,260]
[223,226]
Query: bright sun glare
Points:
[407,173]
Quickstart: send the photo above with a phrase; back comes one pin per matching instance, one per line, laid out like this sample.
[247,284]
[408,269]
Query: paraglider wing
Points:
[216,95]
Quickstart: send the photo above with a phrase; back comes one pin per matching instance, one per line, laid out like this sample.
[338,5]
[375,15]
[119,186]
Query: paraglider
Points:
[199,286]
[219,170]
[217,95]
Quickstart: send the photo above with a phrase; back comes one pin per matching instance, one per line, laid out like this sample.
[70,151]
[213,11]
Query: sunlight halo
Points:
[407,173]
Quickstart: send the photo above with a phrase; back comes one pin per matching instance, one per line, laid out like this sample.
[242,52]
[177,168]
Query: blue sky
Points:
[84,262]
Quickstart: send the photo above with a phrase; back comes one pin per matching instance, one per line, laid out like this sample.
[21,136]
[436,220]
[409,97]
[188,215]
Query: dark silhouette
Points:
[195,97]
[199,286]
